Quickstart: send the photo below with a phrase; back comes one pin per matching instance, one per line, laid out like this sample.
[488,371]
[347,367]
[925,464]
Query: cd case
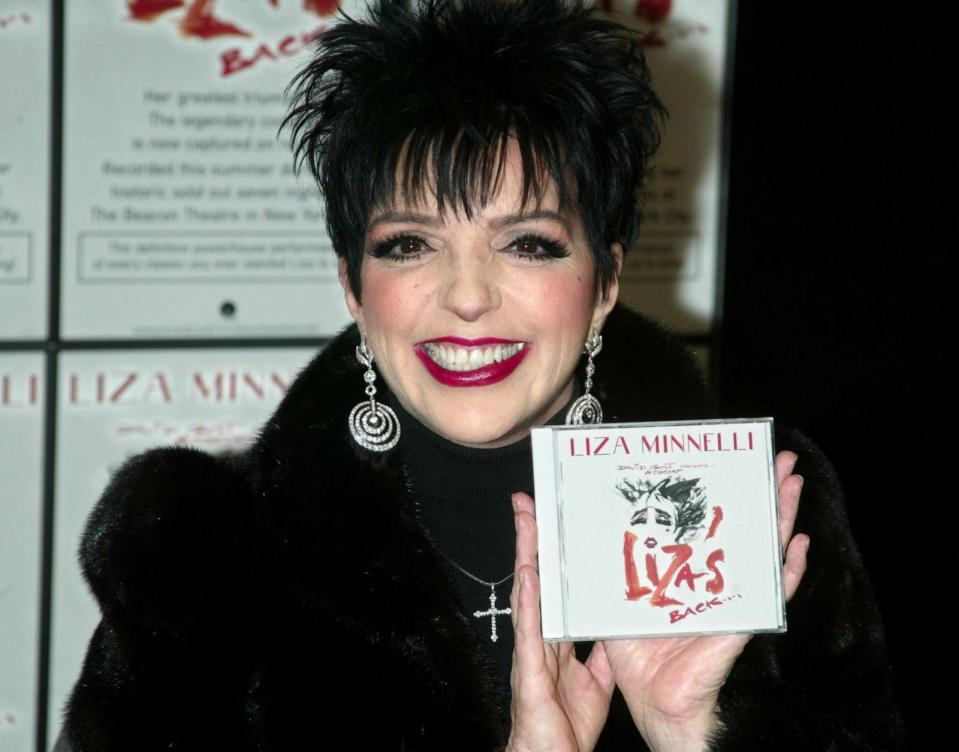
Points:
[658,529]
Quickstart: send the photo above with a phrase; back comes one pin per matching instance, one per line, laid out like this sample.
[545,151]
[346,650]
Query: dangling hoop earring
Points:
[374,425]
[586,409]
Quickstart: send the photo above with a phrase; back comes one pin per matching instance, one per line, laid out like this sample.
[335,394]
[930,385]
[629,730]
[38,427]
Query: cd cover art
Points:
[651,529]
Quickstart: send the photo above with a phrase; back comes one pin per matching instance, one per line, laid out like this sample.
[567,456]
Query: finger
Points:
[526,543]
[789,492]
[598,664]
[525,562]
[529,657]
[785,462]
[523,502]
[795,564]
[519,556]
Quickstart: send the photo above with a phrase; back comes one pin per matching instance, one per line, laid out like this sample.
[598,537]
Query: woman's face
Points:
[654,520]
[477,326]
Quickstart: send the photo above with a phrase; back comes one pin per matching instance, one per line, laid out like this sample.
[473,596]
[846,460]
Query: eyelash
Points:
[553,249]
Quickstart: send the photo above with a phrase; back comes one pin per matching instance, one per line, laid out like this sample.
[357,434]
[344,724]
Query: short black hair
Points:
[451,81]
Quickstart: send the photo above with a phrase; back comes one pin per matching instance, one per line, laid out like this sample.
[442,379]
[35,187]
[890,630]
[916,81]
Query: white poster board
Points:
[672,272]
[181,215]
[114,404]
[24,167]
[21,516]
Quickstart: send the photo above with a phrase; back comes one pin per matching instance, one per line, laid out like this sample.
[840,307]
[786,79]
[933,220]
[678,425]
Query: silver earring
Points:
[586,409]
[374,425]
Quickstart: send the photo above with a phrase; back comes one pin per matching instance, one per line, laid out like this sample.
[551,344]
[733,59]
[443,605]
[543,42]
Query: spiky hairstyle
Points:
[432,90]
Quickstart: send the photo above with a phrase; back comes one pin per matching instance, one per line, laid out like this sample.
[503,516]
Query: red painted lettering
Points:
[682,553]
[717,518]
[634,588]
[687,575]
[717,583]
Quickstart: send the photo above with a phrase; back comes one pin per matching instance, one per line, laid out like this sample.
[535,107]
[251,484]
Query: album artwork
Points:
[653,529]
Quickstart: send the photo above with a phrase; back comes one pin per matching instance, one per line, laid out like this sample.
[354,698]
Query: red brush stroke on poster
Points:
[322,7]
[200,21]
[148,10]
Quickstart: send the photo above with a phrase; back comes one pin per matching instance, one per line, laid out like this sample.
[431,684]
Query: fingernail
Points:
[522,578]
[512,498]
[801,479]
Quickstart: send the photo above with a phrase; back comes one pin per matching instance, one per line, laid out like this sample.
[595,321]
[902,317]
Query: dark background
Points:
[838,300]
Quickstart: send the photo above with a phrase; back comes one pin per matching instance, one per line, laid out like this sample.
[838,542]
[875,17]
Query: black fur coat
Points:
[286,598]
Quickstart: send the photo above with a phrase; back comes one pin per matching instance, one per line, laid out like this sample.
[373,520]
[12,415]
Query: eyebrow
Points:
[496,223]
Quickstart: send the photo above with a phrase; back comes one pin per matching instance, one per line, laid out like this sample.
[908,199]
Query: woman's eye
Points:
[399,248]
[663,519]
[536,248]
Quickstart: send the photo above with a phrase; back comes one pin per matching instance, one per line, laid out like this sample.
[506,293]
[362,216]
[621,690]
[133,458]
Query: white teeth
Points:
[454,358]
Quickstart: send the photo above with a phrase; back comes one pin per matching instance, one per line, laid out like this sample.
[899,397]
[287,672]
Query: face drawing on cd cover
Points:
[670,510]
[668,522]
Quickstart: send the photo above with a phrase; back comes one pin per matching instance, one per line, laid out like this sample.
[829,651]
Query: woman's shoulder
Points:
[171,554]
[172,534]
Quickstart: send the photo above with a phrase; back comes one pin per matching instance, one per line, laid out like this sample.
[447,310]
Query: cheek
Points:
[386,303]
[564,303]
[576,312]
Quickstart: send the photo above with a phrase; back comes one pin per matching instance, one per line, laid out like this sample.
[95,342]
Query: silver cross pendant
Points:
[492,612]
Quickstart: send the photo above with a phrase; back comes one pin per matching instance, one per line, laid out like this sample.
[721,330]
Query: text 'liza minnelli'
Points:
[712,441]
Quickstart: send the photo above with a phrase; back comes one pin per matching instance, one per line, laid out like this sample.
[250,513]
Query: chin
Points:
[478,430]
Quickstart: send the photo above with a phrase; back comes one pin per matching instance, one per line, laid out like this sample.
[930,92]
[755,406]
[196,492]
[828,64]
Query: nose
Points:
[470,289]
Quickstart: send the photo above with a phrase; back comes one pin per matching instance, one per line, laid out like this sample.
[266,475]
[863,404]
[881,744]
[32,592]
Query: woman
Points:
[328,588]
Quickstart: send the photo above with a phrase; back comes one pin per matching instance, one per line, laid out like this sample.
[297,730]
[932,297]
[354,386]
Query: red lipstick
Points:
[481,376]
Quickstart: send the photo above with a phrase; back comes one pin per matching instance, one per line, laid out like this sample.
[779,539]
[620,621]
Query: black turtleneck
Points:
[463,497]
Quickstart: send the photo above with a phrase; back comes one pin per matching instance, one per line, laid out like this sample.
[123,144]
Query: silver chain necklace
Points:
[492,611]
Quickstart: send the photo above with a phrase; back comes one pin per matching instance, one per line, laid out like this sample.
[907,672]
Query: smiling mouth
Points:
[456,358]
[454,361]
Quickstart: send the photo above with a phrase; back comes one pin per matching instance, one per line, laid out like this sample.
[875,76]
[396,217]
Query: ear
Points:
[605,304]
[356,310]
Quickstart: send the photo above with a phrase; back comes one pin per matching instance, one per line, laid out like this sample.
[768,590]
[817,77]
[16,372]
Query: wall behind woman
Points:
[836,288]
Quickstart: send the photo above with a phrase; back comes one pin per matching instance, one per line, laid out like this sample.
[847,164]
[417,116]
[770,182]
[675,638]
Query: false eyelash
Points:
[383,248]
[554,249]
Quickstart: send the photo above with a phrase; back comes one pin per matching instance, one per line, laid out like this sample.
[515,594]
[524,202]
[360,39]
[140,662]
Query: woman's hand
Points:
[559,704]
[672,684]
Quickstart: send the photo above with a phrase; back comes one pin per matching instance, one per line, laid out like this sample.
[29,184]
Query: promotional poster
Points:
[180,205]
[22,394]
[25,45]
[113,405]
